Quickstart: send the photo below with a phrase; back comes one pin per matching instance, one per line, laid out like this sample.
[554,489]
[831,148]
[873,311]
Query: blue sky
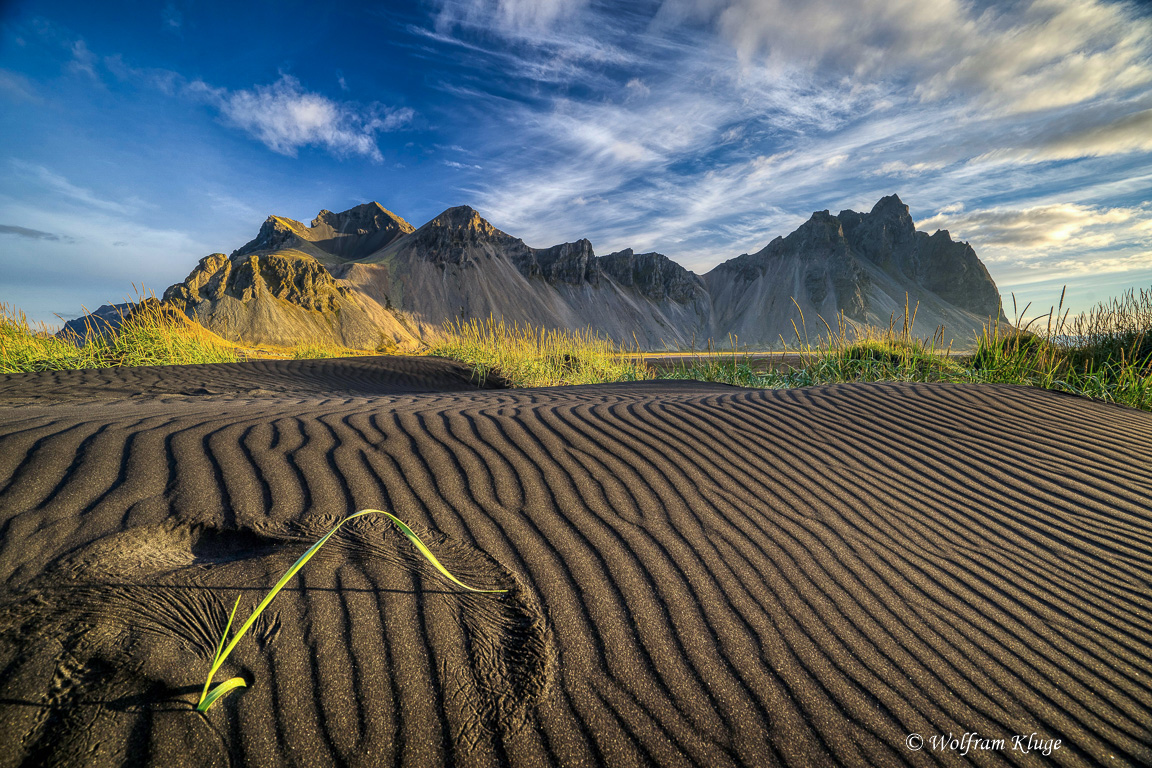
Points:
[136,138]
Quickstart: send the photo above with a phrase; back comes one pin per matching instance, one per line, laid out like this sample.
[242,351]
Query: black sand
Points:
[698,574]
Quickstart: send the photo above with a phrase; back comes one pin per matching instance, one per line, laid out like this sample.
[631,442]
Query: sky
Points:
[137,138]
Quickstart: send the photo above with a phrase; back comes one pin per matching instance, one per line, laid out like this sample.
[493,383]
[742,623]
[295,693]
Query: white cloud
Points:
[172,17]
[1131,132]
[1043,228]
[285,117]
[902,168]
[17,87]
[636,88]
[512,18]
[1054,241]
[1017,57]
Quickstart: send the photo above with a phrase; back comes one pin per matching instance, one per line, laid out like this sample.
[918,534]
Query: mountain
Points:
[365,278]
[861,264]
[279,288]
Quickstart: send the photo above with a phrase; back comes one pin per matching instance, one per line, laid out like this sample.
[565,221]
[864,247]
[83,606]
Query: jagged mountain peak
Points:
[890,204]
[361,220]
[332,237]
[462,217]
[821,226]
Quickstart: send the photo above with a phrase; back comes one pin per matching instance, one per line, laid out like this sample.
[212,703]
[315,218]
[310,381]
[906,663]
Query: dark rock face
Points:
[956,275]
[836,247]
[831,266]
[274,235]
[355,232]
[572,263]
[361,220]
[888,238]
[653,275]
[458,236]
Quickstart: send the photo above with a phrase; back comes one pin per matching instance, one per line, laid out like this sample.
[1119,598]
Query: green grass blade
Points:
[216,657]
[427,552]
[221,656]
[220,690]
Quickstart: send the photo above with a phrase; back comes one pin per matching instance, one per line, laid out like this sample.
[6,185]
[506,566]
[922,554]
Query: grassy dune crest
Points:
[535,357]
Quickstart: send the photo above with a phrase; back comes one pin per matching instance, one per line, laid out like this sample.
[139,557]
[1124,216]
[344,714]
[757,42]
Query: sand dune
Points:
[697,574]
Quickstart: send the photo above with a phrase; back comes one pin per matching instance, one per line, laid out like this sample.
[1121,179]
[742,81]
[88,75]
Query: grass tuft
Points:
[316,351]
[855,352]
[1105,353]
[535,357]
[150,334]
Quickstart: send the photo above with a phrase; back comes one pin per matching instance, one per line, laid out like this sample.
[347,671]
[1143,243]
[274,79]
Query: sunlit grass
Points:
[1105,353]
[317,351]
[151,334]
[535,357]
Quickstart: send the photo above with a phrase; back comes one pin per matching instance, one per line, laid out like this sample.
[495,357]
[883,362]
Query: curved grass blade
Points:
[425,551]
[220,690]
[206,699]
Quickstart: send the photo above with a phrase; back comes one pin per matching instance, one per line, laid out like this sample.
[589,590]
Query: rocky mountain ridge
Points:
[366,278]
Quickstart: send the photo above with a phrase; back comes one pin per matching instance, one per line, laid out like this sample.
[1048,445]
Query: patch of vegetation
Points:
[1105,354]
[151,334]
[851,352]
[535,357]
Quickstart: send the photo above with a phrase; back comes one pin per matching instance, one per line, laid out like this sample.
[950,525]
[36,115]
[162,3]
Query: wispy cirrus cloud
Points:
[61,187]
[17,87]
[1018,57]
[513,18]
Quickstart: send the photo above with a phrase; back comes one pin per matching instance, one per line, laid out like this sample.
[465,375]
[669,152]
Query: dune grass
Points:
[1105,353]
[316,351]
[209,697]
[151,334]
[536,357]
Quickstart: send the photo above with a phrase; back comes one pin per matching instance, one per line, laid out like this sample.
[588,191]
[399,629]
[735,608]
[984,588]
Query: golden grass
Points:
[536,357]
[152,334]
